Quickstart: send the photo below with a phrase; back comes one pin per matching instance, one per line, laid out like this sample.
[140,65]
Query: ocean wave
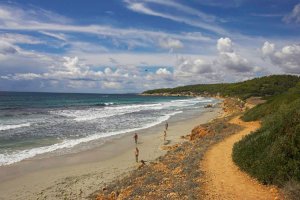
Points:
[117,110]
[13,126]
[7,159]
[109,103]
[105,112]
[105,104]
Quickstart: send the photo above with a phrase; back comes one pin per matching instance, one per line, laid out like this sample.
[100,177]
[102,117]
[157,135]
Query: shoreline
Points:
[180,173]
[80,174]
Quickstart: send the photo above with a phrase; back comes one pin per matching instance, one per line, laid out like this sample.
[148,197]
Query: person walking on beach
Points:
[165,135]
[137,151]
[135,138]
[166,126]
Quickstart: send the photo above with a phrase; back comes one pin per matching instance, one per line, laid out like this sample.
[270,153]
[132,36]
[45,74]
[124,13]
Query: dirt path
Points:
[224,180]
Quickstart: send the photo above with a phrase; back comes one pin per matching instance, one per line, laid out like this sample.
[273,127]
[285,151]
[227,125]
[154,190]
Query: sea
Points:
[37,124]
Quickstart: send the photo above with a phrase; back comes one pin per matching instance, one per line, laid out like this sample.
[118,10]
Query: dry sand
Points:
[224,180]
[75,176]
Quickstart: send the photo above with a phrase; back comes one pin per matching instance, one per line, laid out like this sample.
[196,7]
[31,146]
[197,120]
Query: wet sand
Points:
[76,176]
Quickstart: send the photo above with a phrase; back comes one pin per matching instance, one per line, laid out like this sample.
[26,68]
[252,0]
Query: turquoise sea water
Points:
[36,123]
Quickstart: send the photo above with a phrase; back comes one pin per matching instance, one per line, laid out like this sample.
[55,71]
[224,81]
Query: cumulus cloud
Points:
[224,45]
[230,59]
[193,66]
[70,72]
[287,58]
[294,16]
[67,68]
[163,71]
[170,43]
[235,62]
[268,49]
[71,63]
[227,61]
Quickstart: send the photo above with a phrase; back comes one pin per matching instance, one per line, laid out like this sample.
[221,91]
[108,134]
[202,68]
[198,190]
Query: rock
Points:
[198,132]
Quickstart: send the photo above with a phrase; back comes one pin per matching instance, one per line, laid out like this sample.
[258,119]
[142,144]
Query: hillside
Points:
[264,86]
[273,104]
[272,153]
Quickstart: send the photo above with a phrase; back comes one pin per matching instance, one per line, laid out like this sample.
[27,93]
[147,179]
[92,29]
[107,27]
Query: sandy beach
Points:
[76,176]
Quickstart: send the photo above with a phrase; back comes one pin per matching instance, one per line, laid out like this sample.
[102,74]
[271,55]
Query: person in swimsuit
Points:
[137,152]
[135,138]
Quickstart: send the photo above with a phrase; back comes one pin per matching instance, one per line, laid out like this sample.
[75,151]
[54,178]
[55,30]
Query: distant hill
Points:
[264,86]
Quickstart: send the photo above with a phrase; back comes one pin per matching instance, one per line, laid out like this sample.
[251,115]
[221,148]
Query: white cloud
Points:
[81,84]
[59,36]
[15,38]
[53,25]
[71,64]
[27,76]
[230,59]
[121,66]
[163,71]
[224,45]
[108,71]
[288,58]
[111,85]
[79,47]
[268,48]
[7,48]
[188,66]
[200,23]
[234,62]
[11,15]
[183,8]
[170,43]
[294,16]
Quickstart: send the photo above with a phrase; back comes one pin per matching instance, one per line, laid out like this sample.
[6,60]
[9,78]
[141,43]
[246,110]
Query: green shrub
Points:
[272,105]
[272,154]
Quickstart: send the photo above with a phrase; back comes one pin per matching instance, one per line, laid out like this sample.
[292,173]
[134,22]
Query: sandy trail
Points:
[224,180]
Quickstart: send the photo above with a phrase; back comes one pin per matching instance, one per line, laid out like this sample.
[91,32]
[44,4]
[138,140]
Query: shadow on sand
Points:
[167,142]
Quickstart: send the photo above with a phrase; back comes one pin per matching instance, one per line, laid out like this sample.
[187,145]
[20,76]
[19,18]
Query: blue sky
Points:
[121,46]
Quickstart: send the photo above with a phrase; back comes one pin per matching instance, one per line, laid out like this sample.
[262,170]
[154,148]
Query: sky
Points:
[128,46]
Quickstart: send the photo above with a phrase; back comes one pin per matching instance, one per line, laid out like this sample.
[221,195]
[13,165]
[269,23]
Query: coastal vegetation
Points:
[273,103]
[272,153]
[263,87]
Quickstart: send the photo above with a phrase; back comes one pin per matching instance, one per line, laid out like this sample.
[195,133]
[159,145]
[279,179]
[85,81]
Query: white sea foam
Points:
[98,113]
[109,103]
[13,126]
[7,159]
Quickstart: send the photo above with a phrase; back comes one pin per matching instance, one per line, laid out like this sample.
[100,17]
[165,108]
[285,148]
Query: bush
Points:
[272,154]
[272,105]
